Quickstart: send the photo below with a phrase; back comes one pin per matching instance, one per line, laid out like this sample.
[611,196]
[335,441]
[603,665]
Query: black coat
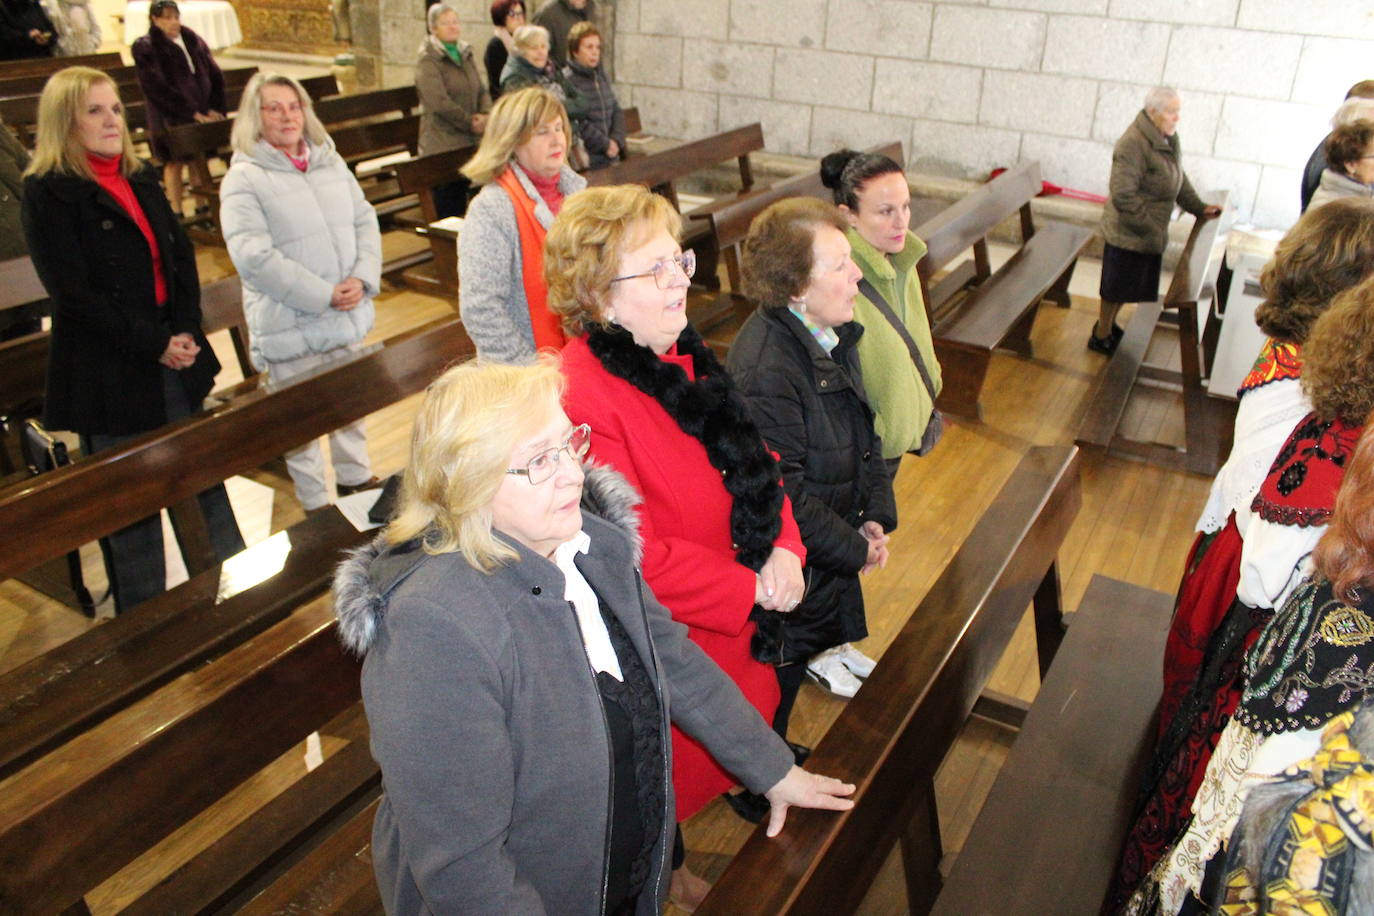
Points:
[811,408]
[174,94]
[108,331]
[17,19]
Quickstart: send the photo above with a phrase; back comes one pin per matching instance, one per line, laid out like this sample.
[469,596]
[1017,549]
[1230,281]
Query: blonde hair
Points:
[512,122]
[530,36]
[58,146]
[472,419]
[247,130]
[583,248]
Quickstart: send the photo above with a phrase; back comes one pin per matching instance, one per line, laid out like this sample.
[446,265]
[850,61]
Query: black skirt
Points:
[1129,276]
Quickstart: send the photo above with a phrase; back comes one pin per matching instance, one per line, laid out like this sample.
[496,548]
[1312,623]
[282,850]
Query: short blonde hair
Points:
[580,31]
[472,419]
[530,36]
[247,130]
[583,248]
[512,122]
[58,146]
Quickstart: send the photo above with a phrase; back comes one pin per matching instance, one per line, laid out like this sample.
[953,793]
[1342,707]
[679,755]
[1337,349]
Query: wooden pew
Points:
[1208,421]
[32,84]
[660,171]
[47,66]
[1081,750]
[892,736]
[339,109]
[54,696]
[974,310]
[75,817]
[418,177]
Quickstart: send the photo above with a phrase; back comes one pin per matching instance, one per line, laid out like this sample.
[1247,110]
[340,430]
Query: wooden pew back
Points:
[123,76]
[967,223]
[69,507]
[72,819]
[338,109]
[659,171]
[47,66]
[892,736]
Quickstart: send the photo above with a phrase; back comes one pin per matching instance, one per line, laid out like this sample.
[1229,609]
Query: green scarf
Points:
[453,51]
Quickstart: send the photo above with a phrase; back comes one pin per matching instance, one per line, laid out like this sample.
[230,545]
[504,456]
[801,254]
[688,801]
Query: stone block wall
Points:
[969,85]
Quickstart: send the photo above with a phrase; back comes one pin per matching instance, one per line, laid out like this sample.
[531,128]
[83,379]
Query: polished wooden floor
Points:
[1135,525]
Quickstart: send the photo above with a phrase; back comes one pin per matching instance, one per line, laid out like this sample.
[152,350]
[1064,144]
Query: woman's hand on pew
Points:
[877,546]
[1211,211]
[805,790]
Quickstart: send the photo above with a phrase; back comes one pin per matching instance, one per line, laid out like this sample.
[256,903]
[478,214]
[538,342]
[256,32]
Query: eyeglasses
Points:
[662,271]
[277,110]
[543,465]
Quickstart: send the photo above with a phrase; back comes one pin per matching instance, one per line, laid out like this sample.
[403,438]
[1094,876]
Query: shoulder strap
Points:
[872,295]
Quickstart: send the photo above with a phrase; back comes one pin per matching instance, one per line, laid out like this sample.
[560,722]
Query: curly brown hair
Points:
[1348,144]
[777,261]
[583,248]
[1330,250]
[1345,554]
[1338,358]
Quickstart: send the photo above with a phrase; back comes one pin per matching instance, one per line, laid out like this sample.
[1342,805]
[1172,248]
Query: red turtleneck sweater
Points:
[548,189]
[109,177]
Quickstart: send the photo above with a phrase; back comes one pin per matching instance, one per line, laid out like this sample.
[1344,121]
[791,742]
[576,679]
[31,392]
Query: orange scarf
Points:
[548,330]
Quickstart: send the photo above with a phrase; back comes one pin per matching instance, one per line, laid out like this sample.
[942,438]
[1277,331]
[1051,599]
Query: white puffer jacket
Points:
[293,236]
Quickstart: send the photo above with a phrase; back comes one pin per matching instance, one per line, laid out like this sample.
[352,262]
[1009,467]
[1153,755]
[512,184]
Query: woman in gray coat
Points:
[1147,180]
[453,99]
[523,165]
[519,677]
[307,246]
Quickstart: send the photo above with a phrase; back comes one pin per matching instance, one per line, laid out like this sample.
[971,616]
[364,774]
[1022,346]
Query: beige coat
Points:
[1147,180]
[449,96]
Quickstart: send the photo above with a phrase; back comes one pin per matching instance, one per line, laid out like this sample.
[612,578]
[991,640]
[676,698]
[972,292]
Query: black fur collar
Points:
[711,411]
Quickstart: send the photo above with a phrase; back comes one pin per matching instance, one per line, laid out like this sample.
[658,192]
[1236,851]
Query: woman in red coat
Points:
[718,532]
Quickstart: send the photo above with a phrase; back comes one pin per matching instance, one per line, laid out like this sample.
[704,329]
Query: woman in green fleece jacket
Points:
[872,192]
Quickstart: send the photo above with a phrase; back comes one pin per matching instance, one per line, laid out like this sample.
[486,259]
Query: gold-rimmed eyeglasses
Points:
[662,271]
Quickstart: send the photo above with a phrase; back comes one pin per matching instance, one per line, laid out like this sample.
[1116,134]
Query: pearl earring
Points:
[610,316]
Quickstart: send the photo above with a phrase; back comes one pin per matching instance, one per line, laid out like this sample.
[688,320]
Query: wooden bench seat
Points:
[1208,421]
[973,310]
[1047,838]
[892,737]
[46,66]
[78,815]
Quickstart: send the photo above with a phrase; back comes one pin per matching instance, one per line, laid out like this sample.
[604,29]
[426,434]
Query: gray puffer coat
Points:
[293,236]
[1147,180]
[490,731]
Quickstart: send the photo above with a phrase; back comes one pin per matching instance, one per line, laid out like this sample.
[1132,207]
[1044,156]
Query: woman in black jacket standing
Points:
[796,362]
[127,351]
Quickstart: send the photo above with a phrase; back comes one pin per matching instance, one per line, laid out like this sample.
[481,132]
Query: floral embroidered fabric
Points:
[1302,483]
[1311,662]
[1276,361]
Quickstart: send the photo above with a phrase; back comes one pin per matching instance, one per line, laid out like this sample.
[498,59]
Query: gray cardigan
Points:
[491,286]
[1147,179]
[488,725]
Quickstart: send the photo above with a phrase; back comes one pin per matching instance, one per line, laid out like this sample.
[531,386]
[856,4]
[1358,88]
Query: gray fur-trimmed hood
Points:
[366,577]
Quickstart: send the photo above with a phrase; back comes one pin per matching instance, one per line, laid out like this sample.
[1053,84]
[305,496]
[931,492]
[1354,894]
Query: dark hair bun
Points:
[832,167]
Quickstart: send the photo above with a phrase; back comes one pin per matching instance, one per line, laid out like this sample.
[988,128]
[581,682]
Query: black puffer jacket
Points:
[604,121]
[811,408]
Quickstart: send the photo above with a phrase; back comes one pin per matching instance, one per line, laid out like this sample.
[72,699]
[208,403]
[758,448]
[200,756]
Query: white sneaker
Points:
[859,665]
[827,670]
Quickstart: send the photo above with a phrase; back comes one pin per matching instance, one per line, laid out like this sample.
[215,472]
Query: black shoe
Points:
[1118,332]
[1104,345]
[800,752]
[748,805]
[369,484]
